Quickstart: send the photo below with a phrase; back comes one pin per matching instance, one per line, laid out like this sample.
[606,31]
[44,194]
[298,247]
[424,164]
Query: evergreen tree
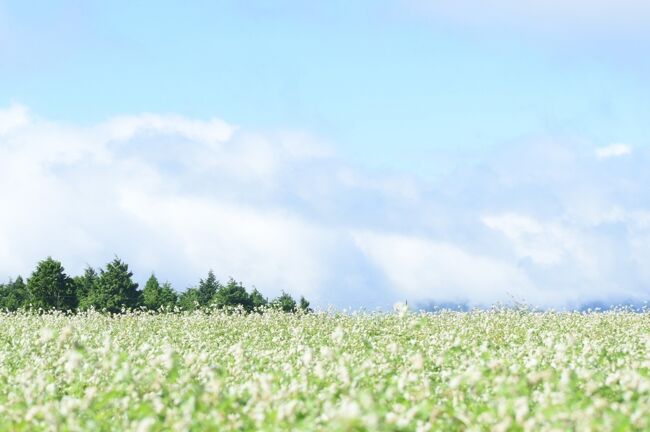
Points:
[151,293]
[115,288]
[304,305]
[156,296]
[168,297]
[285,303]
[207,289]
[84,285]
[233,294]
[13,295]
[189,299]
[50,288]
[258,301]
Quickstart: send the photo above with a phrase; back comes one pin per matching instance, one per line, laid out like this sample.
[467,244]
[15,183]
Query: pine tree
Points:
[233,294]
[168,297]
[152,293]
[50,288]
[304,305]
[13,295]
[207,289]
[258,301]
[156,296]
[84,285]
[189,299]
[285,303]
[115,288]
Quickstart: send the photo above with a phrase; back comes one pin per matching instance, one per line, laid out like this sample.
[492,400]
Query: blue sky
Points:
[340,71]
[370,127]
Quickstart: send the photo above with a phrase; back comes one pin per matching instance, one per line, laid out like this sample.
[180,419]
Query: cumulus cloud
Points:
[547,221]
[181,196]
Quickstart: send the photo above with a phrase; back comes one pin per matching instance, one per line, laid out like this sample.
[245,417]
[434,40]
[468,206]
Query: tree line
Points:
[112,289]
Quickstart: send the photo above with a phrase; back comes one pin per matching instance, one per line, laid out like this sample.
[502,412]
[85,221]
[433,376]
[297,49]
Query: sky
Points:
[357,153]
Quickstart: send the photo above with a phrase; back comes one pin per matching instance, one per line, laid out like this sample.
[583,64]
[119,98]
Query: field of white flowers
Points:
[490,370]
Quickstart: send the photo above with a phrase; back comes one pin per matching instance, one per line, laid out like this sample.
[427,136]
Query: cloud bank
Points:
[554,222]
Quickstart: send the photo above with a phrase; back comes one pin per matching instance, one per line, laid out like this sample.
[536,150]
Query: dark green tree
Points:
[233,294]
[115,288]
[156,296]
[258,301]
[189,299]
[151,293]
[168,296]
[303,304]
[207,289]
[84,285]
[50,288]
[13,295]
[285,303]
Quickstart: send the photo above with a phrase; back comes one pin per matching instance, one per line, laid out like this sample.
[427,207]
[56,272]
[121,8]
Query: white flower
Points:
[417,361]
[46,334]
[307,357]
[337,335]
[145,424]
[521,409]
[349,409]
[401,308]
[73,359]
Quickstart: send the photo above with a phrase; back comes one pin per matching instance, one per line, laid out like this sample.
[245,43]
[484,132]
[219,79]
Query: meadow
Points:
[505,369]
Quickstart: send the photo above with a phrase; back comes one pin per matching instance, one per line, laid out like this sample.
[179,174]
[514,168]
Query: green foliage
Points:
[13,295]
[115,289]
[258,301]
[50,288]
[285,303]
[304,305]
[151,293]
[168,297]
[156,296]
[233,294]
[207,289]
[189,299]
[84,285]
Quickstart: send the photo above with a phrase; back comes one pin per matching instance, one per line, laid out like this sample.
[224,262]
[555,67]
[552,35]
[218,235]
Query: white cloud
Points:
[550,16]
[544,243]
[421,269]
[542,221]
[613,150]
[174,195]
[12,117]
[272,247]
[212,131]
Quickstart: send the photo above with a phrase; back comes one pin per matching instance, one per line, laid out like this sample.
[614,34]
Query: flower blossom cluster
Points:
[481,370]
